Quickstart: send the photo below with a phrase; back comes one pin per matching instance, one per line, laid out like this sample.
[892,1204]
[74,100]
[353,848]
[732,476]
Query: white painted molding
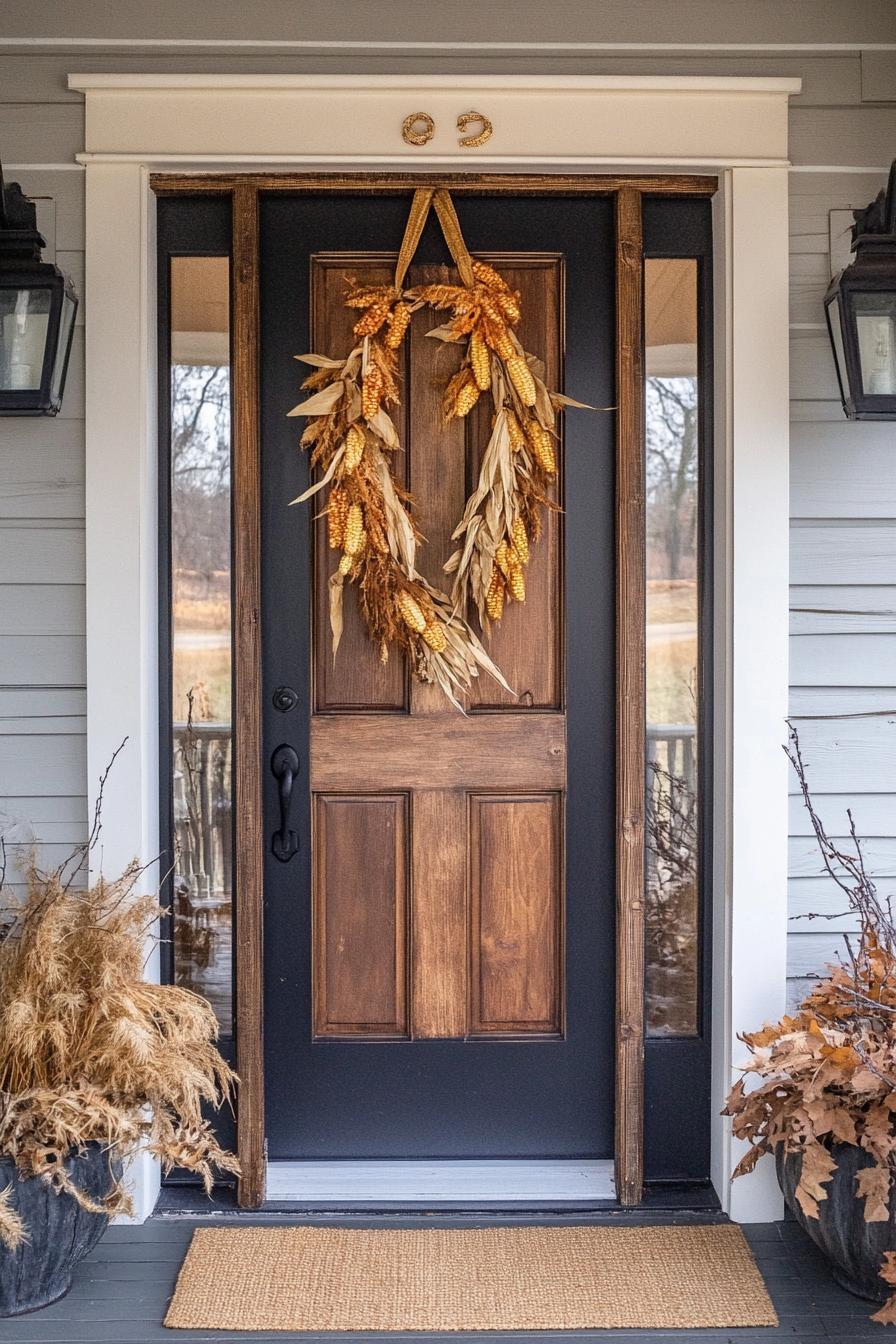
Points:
[133,127]
[336,120]
[751,633]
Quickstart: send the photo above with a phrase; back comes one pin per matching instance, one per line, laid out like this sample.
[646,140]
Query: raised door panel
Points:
[360,915]
[516,924]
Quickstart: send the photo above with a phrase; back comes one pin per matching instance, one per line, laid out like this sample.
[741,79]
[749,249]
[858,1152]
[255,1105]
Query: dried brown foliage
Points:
[827,1074]
[90,1052]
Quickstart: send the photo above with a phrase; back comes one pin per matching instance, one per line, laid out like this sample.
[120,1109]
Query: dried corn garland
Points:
[351,437]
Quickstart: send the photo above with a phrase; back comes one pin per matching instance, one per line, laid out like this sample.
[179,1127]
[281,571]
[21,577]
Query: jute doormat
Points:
[495,1278]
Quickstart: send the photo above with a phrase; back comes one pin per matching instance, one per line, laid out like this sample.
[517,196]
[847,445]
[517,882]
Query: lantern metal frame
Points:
[872,272]
[22,269]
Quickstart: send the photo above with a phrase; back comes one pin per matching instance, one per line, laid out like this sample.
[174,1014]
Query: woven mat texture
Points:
[495,1278]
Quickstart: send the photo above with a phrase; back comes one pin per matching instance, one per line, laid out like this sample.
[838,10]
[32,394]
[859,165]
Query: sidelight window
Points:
[198,600]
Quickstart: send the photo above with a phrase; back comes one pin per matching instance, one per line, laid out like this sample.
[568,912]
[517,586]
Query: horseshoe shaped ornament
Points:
[467,119]
[418,129]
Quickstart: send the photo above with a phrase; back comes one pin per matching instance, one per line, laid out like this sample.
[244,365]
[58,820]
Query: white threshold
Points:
[447,1181]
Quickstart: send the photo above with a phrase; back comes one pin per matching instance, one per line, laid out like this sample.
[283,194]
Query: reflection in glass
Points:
[201,628]
[672,443]
[876,331]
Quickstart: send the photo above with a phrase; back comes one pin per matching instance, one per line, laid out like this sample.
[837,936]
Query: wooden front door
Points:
[439,952]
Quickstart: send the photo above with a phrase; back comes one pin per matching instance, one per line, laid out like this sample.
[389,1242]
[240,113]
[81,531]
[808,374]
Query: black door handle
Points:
[284,767]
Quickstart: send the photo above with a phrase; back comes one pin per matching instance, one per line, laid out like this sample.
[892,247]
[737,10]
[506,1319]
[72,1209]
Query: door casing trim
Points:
[751,476]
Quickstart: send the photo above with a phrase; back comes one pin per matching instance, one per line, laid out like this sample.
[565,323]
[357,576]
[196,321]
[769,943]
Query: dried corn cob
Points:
[500,340]
[503,559]
[494,598]
[434,635]
[521,541]
[517,584]
[398,322]
[490,307]
[515,430]
[509,306]
[372,320]
[366,295]
[410,611]
[345,564]
[521,377]
[542,446]
[354,530]
[466,399]
[371,392]
[479,362]
[354,448]
[487,275]
[337,513]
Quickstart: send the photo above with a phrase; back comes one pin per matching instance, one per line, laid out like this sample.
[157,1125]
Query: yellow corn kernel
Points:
[494,598]
[479,362]
[337,513]
[410,612]
[371,393]
[354,448]
[542,446]
[521,541]
[398,322]
[515,430]
[521,377]
[517,584]
[466,399]
[345,564]
[503,559]
[354,530]
[434,635]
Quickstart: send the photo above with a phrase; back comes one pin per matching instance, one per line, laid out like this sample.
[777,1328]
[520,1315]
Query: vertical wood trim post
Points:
[248,829]
[630,699]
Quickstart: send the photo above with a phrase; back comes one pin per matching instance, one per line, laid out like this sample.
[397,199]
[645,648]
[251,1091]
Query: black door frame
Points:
[629,193]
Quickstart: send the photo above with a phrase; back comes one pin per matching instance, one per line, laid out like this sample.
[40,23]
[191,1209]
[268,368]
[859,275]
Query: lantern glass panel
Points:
[875,317]
[67,321]
[837,342]
[24,321]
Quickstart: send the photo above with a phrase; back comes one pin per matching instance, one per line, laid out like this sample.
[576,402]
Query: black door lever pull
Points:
[284,768]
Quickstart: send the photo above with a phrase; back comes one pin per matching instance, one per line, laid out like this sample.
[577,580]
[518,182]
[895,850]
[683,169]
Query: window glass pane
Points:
[201,627]
[670,324]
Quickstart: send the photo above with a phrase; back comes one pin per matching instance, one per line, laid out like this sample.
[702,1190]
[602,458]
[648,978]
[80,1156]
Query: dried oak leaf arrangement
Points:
[827,1074]
[90,1052]
[352,438]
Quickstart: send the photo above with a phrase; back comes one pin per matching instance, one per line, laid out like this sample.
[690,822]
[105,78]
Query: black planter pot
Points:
[855,1249]
[60,1232]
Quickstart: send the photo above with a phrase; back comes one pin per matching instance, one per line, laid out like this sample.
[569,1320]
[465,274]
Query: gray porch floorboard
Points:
[121,1291]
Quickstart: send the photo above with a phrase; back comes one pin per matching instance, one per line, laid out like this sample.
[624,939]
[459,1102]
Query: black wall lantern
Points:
[861,312]
[37,313]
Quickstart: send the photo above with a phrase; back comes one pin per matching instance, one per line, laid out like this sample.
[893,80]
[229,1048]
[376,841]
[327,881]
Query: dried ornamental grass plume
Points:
[90,1052]
[12,1229]
[827,1074]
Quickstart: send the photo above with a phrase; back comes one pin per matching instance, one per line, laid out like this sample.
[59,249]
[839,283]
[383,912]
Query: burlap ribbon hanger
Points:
[440,199]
